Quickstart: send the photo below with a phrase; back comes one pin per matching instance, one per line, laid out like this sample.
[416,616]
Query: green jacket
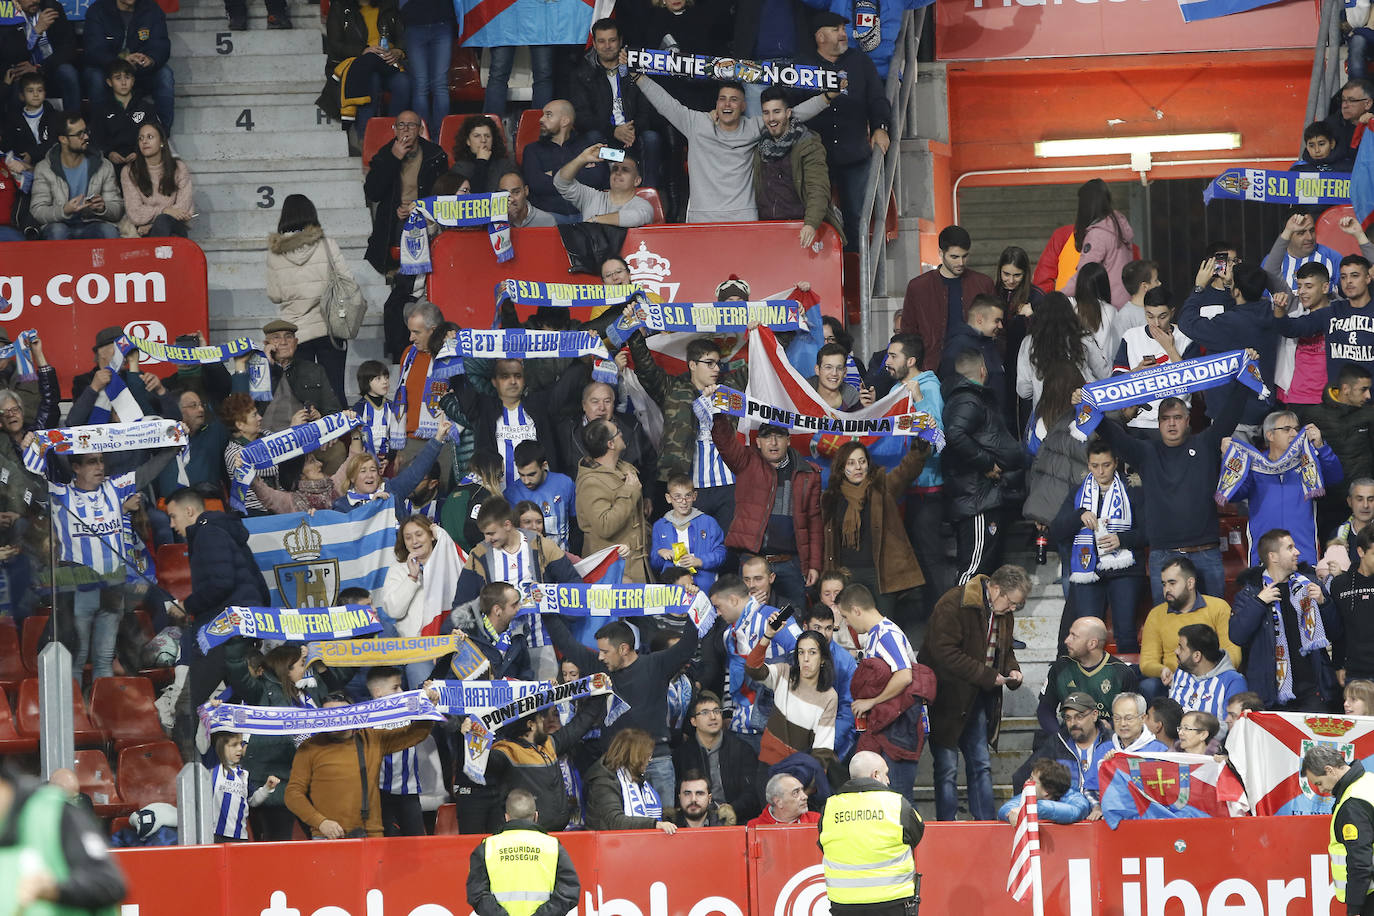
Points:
[41,826]
[810,179]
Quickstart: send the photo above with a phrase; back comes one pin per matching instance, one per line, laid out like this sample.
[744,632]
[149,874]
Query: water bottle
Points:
[385,41]
[1042,545]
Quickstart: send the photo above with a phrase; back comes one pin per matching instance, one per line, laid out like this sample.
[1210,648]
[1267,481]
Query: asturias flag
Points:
[1164,786]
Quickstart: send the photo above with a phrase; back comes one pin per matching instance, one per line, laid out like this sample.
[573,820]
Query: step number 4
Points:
[224,43]
[245,119]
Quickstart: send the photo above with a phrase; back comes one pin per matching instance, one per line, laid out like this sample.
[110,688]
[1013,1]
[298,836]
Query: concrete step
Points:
[229,197]
[292,69]
[257,223]
[283,170]
[244,144]
[198,38]
[250,93]
[267,116]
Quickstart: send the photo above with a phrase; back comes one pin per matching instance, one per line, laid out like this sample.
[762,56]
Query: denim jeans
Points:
[64,83]
[94,229]
[1091,599]
[387,79]
[848,181]
[1358,44]
[973,742]
[660,775]
[10,234]
[789,584]
[498,77]
[925,515]
[96,631]
[159,82]
[330,358]
[428,50]
[165,226]
[901,776]
[1211,573]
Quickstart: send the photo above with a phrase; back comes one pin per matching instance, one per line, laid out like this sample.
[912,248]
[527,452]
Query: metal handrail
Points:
[1326,60]
[883,172]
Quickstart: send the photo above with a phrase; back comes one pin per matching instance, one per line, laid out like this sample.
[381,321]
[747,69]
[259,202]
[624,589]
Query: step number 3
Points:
[245,119]
[224,43]
[266,197]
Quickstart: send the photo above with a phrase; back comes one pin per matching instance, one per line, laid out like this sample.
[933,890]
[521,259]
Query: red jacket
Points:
[9,190]
[925,310]
[756,483]
[766,819]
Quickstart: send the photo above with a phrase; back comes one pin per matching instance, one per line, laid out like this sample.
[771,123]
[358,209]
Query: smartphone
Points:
[309,407]
[614,155]
[783,615]
[1219,263]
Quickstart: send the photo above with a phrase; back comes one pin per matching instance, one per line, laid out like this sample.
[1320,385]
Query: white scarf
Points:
[1114,518]
[638,799]
[1311,632]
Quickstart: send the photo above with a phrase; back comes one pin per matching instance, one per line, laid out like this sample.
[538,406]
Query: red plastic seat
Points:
[123,708]
[11,742]
[381,130]
[96,776]
[526,133]
[12,670]
[446,820]
[148,773]
[173,570]
[651,196]
[449,127]
[85,733]
[33,632]
[465,75]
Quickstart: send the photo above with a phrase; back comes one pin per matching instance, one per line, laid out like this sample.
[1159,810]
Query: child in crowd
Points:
[379,416]
[399,779]
[687,537]
[1055,801]
[116,121]
[1320,152]
[554,493]
[229,785]
[32,128]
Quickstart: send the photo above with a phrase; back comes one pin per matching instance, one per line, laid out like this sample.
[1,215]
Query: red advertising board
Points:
[67,291]
[1002,29]
[1251,866]
[680,263]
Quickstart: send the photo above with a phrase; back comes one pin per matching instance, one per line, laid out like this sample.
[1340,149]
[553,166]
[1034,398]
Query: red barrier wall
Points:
[680,263]
[153,288]
[1240,867]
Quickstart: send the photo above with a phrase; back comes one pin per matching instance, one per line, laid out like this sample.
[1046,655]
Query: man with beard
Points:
[695,807]
[1081,744]
[1206,679]
[1182,606]
[326,789]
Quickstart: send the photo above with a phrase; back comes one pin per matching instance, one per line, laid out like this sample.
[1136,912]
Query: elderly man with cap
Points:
[1081,744]
[855,123]
[300,389]
[98,377]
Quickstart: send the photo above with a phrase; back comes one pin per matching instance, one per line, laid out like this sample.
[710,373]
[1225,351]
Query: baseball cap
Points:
[1077,700]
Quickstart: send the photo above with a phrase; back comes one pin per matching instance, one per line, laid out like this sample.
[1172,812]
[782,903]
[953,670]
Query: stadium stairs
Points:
[268,81]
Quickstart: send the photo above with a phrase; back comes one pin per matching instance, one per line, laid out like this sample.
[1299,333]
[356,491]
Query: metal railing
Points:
[883,176]
[1326,61]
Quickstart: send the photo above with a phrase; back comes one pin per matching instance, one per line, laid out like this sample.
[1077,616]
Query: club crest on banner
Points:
[1347,751]
[230,622]
[309,581]
[1162,780]
[651,271]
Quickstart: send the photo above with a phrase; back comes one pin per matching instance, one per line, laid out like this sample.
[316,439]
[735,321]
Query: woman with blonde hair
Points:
[619,794]
[364,475]
[420,584]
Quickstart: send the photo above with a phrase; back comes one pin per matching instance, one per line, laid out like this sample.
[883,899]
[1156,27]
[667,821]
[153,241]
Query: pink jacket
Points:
[143,210]
[1100,244]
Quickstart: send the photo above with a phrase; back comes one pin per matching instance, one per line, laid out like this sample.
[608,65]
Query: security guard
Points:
[867,835]
[1351,847]
[521,870]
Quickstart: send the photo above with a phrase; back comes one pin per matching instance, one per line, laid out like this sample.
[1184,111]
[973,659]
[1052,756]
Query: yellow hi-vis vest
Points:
[521,865]
[863,854]
[1362,788]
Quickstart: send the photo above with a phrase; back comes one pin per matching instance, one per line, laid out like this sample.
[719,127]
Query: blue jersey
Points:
[887,642]
[229,787]
[556,498]
[90,523]
[400,773]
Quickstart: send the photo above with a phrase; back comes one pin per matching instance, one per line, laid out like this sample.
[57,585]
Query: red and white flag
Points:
[1024,874]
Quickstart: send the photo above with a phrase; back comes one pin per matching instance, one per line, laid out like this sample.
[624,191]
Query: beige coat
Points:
[297,274]
[610,512]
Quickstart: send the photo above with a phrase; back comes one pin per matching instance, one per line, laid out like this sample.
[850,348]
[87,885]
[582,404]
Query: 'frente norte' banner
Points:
[706,67]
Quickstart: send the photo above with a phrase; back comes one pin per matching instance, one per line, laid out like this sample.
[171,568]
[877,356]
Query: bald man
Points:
[559,143]
[1085,667]
[598,403]
[66,780]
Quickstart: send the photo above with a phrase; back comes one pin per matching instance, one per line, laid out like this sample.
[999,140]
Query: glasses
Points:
[1345,99]
[709,711]
[1190,728]
[708,363]
[1116,718]
[12,412]
[407,125]
[79,133]
[1287,429]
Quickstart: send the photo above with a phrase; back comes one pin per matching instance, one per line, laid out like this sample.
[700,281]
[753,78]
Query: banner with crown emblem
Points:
[1266,748]
[1322,189]
[308,559]
[289,624]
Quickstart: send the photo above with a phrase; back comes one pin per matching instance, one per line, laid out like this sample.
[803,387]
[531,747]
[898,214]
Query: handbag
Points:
[342,303]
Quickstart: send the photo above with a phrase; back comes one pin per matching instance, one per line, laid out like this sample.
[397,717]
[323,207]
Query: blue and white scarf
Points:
[564,295]
[707,317]
[383,426]
[917,423]
[116,396]
[393,711]
[282,446]
[441,368]
[638,798]
[458,210]
[259,369]
[1242,459]
[766,73]
[25,369]
[152,432]
[1164,381]
[307,624]
[1113,518]
[581,599]
[1311,631]
[518,343]
[852,378]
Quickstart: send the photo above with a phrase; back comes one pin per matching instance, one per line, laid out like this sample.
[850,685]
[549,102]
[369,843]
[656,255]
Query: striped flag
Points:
[1024,874]
[1362,179]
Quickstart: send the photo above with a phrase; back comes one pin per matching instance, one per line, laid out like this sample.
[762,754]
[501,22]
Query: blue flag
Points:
[1194,10]
[1362,181]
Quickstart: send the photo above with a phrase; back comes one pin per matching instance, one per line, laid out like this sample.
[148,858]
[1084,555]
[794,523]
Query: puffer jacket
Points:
[976,438]
[1348,430]
[1056,472]
[50,192]
[609,512]
[223,571]
[297,274]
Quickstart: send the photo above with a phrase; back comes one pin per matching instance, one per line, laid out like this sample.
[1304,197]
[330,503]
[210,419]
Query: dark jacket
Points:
[925,307]
[14,46]
[1069,521]
[480,412]
[223,571]
[514,663]
[542,160]
[1061,747]
[17,138]
[1349,431]
[955,648]
[1055,472]
[114,128]
[639,448]
[562,899]
[346,31]
[1252,629]
[748,13]
[106,34]
[1249,324]
[590,94]
[810,181]
[382,187]
[739,771]
[517,764]
[81,388]
[308,383]
[893,557]
[976,439]
[964,337]
[605,806]
[1352,593]
[756,484]
[94,882]
[410,476]
[846,125]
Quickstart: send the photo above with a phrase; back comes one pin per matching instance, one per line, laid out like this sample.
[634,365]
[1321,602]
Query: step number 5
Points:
[245,119]
[224,43]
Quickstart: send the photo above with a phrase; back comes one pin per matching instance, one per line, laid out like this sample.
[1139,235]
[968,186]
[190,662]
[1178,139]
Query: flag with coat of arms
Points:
[1167,786]
[1267,748]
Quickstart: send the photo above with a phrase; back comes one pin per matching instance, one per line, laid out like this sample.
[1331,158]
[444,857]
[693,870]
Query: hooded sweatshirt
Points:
[703,537]
[1210,691]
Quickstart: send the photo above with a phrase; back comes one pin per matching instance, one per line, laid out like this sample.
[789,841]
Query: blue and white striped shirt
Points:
[708,468]
[90,530]
[400,774]
[229,785]
[1321,255]
[1208,694]
[887,642]
[512,428]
